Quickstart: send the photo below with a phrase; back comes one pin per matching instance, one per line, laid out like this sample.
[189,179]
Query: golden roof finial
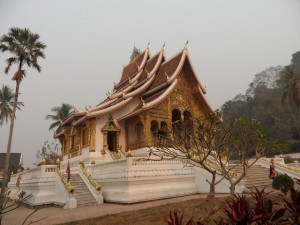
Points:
[186,44]
[167,75]
[143,101]
[148,74]
[138,66]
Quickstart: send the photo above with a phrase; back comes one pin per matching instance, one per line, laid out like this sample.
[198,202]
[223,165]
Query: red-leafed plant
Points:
[238,210]
[264,210]
[176,218]
[292,202]
[258,209]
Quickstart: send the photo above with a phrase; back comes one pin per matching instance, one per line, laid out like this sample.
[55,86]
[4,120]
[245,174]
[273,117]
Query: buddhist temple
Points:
[152,92]
[104,147]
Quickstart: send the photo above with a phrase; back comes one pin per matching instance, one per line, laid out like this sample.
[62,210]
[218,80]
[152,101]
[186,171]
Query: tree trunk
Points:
[11,129]
[212,186]
[232,189]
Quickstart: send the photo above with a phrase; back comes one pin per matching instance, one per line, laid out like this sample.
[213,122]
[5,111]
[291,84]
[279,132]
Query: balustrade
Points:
[92,181]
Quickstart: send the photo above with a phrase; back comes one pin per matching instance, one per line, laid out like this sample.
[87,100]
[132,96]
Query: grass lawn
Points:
[197,208]
[154,215]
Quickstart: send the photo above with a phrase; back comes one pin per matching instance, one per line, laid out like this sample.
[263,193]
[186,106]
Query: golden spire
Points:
[186,44]
[167,75]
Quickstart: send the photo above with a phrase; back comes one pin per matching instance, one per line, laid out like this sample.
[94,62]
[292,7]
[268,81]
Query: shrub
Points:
[292,202]
[175,218]
[283,183]
[258,209]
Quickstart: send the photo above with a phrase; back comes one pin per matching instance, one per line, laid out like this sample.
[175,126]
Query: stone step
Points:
[257,176]
[86,204]
[83,196]
[85,200]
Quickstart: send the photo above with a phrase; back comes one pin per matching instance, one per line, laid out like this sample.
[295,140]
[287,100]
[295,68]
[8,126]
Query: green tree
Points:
[6,104]
[26,49]
[61,113]
[289,83]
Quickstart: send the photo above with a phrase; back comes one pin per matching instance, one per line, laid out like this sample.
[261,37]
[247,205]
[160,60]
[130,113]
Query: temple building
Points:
[104,147]
[153,92]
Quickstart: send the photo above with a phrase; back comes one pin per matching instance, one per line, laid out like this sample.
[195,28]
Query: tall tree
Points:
[61,113]
[289,82]
[26,49]
[6,103]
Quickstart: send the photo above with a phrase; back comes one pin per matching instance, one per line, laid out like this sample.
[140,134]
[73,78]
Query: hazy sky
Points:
[89,41]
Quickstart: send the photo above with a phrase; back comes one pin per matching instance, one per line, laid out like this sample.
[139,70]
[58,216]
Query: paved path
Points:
[58,215]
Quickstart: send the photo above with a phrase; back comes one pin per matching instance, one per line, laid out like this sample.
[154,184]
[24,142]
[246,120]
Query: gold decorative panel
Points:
[92,135]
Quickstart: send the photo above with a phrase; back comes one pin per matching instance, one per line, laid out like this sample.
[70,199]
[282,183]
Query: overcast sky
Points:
[89,41]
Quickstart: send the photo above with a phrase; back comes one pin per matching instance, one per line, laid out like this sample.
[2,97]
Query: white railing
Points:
[280,168]
[139,162]
[50,168]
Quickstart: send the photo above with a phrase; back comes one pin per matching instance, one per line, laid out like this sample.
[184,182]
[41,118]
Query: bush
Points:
[293,204]
[258,209]
[283,183]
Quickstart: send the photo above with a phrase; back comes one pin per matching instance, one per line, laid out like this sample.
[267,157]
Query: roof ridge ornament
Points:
[137,66]
[186,44]
[163,46]
[148,74]
[143,101]
[148,44]
[75,110]
[168,77]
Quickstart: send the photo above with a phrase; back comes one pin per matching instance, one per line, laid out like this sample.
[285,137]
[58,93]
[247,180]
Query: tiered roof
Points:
[149,79]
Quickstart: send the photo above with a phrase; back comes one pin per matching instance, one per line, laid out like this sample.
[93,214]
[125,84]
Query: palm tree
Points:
[26,49]
[61,113]
[6,103]
[289,82]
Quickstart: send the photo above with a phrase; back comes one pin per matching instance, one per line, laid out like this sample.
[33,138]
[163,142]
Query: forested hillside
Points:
[273,98]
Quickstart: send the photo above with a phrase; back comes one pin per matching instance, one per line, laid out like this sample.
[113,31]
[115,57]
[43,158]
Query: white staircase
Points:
[82,194]
[257,176]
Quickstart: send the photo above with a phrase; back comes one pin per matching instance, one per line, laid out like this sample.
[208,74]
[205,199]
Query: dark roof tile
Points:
[13,161]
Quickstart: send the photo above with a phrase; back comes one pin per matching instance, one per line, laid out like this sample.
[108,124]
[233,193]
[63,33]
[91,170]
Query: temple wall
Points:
[100,123]
[44,186]
[131,180]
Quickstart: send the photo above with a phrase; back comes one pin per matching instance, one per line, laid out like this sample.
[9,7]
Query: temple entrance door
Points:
[112,141]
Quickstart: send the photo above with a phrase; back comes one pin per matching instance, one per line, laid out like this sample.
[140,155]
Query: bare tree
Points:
[210,143]
[47,152]
[10,207]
